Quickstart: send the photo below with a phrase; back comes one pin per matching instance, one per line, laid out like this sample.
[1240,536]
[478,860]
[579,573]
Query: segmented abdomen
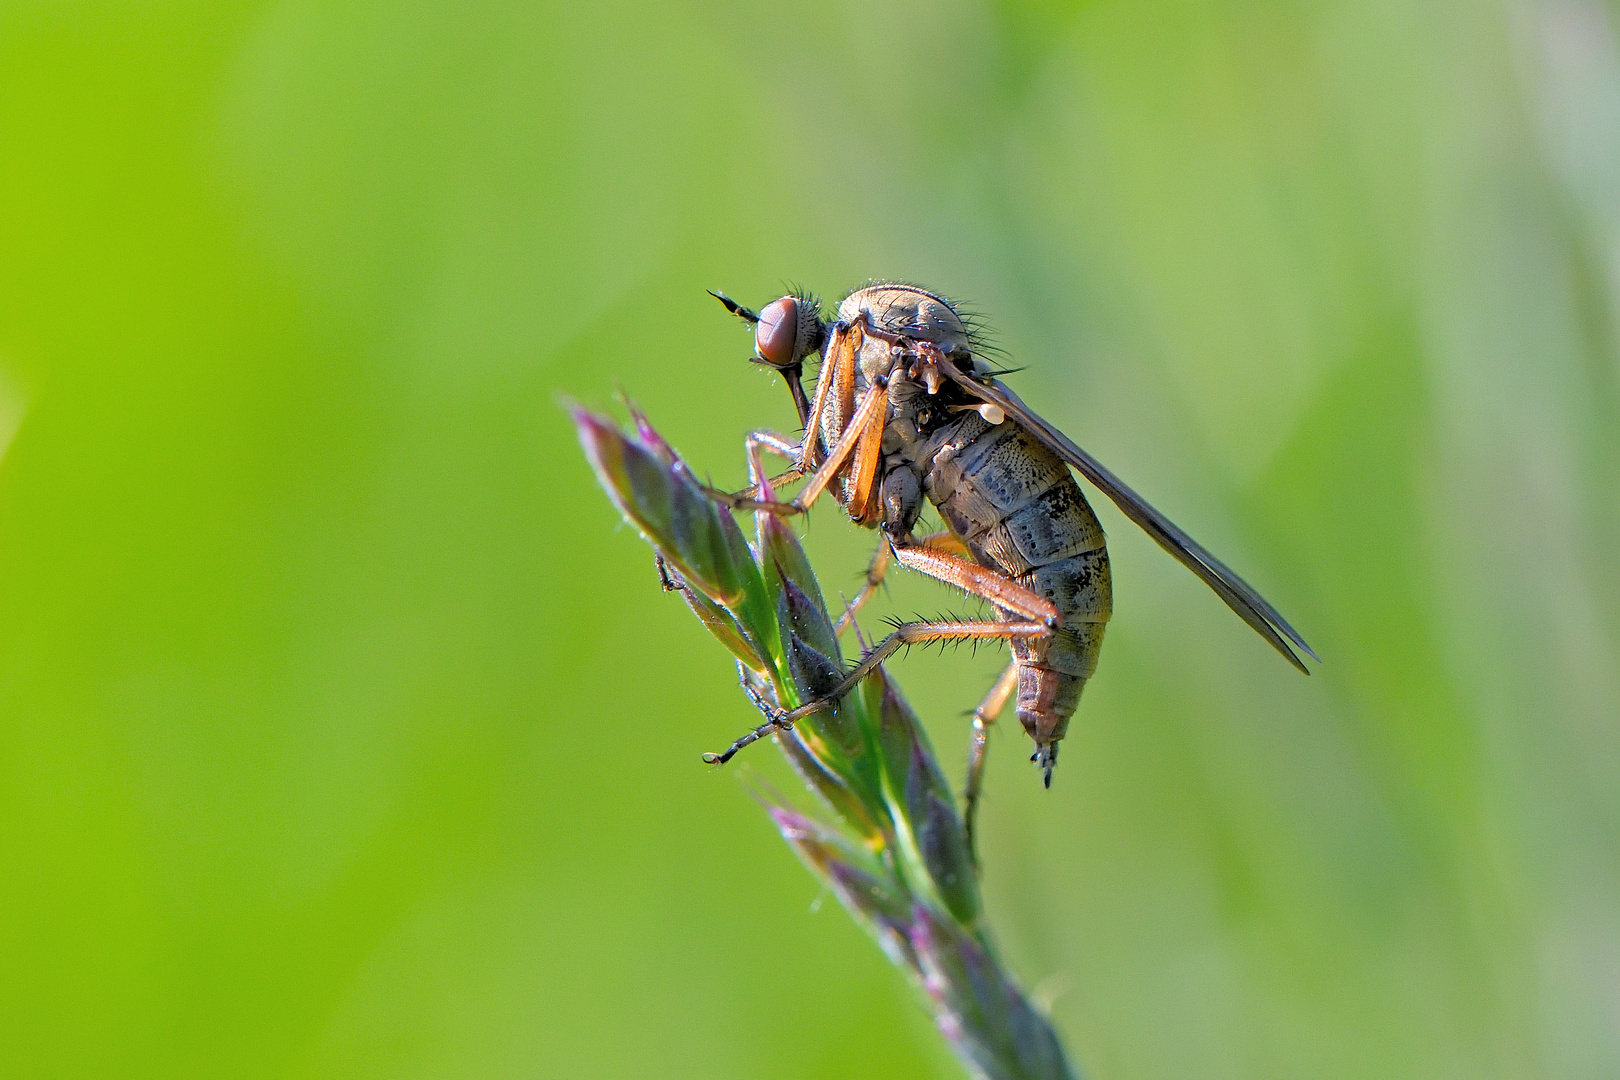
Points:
[1021,513]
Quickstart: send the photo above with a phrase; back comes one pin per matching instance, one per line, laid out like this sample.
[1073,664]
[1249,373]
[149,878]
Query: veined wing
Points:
[1250,606]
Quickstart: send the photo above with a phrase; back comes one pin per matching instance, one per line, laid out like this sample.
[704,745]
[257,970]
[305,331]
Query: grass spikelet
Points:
[890,843]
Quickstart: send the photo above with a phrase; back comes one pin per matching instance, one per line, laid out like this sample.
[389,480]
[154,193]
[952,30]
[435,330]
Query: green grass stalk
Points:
[890,844]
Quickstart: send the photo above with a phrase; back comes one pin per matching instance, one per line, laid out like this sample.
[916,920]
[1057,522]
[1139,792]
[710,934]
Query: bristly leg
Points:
[910,633]
[757,442]
[877,571]
[906,633]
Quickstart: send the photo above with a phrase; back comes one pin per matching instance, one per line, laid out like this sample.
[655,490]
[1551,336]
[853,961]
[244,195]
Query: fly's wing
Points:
[1250,606]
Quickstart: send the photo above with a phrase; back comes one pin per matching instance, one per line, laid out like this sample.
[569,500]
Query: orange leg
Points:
[870,413]
[755,444]
[970,577]
[878,569]
[1036,617]
[912,633]
[834,403]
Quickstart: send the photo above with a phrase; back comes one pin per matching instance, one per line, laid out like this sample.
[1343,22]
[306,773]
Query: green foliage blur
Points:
[344,732]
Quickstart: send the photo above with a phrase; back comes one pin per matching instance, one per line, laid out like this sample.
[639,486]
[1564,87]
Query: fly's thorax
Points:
[905,309]
[904,333]
[876,360]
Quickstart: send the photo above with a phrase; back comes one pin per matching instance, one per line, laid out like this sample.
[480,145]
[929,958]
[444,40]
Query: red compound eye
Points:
[776,338]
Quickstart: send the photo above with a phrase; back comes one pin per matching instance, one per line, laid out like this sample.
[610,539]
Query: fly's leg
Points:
[1010,597]
[983,716]
[910,633]
[780,445]
[981,581]
[667,579]
[943,541]
[1034,617]
[744,499]
[756,443]
[873,405]
[772,724]
[878,569]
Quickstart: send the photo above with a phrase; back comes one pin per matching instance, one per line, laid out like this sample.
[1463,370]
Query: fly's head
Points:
[786,330]
[789,330]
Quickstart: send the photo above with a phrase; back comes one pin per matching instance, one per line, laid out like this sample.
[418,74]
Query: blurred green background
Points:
[344,732]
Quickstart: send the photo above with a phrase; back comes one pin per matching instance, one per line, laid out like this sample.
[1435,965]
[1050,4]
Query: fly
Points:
[906,409]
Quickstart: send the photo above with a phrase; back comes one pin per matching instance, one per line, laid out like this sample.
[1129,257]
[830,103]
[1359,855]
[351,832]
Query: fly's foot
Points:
[668,579]
[778,722]
[1045,759]
[775,720]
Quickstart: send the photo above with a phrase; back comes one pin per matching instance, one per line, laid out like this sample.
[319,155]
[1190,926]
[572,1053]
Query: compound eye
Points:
[776,338]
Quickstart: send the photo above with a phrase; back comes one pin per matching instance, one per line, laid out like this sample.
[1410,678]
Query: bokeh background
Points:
[345,733]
